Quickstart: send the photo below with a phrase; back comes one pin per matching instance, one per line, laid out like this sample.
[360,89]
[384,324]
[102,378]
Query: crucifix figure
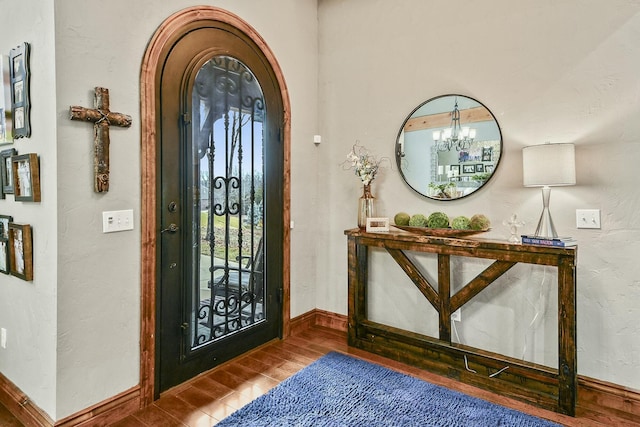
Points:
[102,118]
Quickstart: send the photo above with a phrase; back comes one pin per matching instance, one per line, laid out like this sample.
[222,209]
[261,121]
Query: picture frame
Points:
[19,87]
[455,170]
[488,168]
[4,243]
[4,256]
[468,168]
[5,220]
[480,167]
[487,152]
[20,251]
[26,177]
[377,225]
[6,171]
[6,122]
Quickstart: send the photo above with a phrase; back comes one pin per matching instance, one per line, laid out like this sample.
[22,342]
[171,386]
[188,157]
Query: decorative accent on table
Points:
[101,117]
[513,223]
[438,224]
[21,252]
[366,206]
[26,177]
[377,225]
[4,243]
[439,232]
[365,167]
[548,165]
[6,171]
[20,101]
[438,220]
[560,242]
[6,122]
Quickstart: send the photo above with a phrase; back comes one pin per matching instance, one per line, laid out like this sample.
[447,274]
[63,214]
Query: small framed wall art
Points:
[26,177]
[4,243]
[4,226]
[6,124]
[6,171]
[4,256]
[20,251]
[19,88]
[468,168]
[487,154]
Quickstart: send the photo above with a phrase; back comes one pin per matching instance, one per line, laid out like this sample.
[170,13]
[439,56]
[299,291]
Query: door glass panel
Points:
[228,285]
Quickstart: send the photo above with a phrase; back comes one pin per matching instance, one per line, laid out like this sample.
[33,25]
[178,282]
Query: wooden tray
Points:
[439,232]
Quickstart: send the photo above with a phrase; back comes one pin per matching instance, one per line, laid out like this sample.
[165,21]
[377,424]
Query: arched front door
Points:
[221,193]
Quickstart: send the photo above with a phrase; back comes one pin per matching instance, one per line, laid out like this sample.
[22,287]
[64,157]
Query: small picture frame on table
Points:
[20,251]
[377,225]
[19,89]
[26,177]
[4,243]
[6,171]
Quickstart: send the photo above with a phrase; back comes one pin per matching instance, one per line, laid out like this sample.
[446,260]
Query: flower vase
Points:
[366,207]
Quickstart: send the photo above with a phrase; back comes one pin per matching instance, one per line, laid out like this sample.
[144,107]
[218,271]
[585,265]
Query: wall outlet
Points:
[456,316]
[3,338]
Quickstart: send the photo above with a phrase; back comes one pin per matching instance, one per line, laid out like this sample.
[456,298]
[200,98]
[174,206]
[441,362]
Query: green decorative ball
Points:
[438,220]
[402,218]
[418,220]
[461,223]
[480,222]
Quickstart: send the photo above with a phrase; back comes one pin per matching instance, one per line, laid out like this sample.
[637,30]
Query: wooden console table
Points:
[550,388]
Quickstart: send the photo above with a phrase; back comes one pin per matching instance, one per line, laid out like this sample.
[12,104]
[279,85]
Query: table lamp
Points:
[548,165]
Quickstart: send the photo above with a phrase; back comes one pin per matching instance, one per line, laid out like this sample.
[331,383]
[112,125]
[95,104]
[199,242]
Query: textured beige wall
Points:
[558,71]
[74,332]
[28,309]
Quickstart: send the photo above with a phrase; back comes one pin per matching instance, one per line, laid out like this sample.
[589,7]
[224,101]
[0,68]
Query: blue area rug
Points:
[339,390]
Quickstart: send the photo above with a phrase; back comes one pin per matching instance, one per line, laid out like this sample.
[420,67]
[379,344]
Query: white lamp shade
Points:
[548,165]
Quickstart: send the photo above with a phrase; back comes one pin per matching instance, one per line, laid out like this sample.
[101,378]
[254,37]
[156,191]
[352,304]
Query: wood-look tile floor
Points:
[7,419]
[208,398]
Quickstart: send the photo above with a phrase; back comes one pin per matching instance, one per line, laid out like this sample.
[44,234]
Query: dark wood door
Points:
[220,203]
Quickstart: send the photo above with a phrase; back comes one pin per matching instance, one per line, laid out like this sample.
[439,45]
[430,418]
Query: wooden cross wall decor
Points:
[102,118]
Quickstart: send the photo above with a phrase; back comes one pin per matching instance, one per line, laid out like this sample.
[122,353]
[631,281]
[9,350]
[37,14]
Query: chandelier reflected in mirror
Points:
[455,136]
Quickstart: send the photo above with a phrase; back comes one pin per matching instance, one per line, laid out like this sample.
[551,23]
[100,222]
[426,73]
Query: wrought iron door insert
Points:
[228,188]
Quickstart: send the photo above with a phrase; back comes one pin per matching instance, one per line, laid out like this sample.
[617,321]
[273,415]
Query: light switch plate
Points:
[113,221]
[588,218]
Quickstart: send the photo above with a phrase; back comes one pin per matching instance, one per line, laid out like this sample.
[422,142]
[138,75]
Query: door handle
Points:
[171,229]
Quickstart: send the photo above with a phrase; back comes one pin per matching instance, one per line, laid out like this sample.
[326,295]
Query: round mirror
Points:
[448,147]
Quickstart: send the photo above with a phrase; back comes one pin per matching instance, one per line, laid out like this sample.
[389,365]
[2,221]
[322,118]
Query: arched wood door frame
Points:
[162,41]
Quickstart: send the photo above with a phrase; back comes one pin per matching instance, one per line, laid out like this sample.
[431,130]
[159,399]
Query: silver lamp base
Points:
[545,224]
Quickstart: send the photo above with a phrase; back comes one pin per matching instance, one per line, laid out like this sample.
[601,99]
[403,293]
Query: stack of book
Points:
[561,242]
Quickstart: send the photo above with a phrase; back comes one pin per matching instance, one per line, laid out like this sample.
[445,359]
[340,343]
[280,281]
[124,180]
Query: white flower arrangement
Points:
[364,164]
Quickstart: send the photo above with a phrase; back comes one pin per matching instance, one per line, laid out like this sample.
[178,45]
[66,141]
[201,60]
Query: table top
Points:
[473,241]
